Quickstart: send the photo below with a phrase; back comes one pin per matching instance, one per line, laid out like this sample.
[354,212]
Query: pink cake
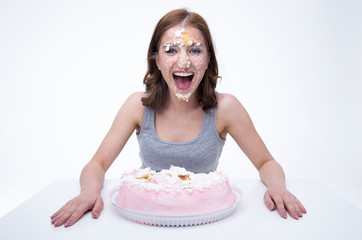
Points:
[174,191]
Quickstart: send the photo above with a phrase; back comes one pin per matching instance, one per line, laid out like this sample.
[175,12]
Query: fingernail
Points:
[300,214]
[270,207]
[284,214]
[95,214]
[67,223]
[296,216]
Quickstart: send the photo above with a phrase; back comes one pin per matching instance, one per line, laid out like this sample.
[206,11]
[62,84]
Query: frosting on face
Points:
[182,60]
[185,39]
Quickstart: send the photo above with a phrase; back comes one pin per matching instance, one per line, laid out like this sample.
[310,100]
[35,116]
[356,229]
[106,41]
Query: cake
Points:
[174,191]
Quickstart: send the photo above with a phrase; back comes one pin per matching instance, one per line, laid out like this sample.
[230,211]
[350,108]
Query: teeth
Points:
[183,74]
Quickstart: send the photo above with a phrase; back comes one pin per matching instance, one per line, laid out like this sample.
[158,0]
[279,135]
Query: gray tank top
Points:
[200,155]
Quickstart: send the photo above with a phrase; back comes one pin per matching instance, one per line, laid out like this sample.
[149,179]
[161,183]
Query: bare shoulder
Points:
[226,98]
[136,97]
[133,108]
[228,104]
[229,110]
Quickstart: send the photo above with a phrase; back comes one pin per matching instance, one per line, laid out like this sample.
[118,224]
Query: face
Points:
[182,59]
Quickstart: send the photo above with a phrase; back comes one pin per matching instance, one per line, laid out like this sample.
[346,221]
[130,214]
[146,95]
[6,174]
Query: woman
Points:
[180,120]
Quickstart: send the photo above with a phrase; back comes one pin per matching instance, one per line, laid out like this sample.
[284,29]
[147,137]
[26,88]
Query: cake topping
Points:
[184,177]
[184,97]
[175,179]
[186,39]
[147,177]
[183,38]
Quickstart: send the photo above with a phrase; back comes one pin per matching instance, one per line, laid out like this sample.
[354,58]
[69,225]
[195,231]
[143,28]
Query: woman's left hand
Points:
[284,201]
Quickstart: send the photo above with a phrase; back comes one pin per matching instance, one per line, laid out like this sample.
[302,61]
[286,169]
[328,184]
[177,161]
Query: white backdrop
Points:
[66,67]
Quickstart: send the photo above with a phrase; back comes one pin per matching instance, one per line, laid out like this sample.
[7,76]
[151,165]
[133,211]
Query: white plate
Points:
[177,220]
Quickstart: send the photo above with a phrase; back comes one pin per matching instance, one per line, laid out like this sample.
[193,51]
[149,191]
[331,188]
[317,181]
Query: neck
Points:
[181,106]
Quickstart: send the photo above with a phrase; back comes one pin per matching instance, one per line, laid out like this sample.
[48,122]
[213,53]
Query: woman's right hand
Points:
[127,120]
[75,208]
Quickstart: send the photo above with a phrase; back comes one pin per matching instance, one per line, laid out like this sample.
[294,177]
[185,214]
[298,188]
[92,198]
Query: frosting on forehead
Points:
[185,38]
[182,38]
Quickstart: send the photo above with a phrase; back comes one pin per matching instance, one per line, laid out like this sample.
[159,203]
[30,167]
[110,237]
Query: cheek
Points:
[200,63]
[168,65]
[165,64]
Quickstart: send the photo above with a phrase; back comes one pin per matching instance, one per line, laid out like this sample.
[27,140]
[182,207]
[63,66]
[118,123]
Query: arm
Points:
[277,195]
[234,119]
[127,120]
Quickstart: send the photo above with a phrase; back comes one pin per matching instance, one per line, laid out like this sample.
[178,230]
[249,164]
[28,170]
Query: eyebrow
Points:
[177,44]
[197,44]
[170,45]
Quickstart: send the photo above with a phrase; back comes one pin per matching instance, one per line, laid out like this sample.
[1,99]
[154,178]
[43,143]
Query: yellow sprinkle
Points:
[186,39]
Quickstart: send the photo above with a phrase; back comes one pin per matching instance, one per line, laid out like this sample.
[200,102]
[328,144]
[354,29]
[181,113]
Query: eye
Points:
[171,50]
[195,51]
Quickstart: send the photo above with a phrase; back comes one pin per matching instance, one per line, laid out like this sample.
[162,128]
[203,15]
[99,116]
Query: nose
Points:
[184,61]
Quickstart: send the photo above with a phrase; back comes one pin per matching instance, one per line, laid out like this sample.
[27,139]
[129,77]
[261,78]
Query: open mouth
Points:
[183,80]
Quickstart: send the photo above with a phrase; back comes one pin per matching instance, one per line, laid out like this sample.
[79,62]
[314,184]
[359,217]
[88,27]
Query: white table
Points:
[329,216]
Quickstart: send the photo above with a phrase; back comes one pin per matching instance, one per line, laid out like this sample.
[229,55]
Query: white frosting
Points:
[170,179]
[184,97]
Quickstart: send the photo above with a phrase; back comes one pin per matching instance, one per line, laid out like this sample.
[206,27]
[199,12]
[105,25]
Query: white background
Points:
[66,67]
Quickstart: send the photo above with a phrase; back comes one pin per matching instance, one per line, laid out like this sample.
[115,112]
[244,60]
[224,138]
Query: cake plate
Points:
[176,220]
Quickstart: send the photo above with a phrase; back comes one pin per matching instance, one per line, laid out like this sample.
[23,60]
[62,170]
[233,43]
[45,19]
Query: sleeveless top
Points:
[200,155]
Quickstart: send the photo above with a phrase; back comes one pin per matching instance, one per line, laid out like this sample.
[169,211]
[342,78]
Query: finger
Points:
[298,208]
[75,216]
[302,208]
[58,212]
[98,207]
[64,215]
[60,220]
[289,202]
[280,205]
[57,218]
[55,214]
[269,202]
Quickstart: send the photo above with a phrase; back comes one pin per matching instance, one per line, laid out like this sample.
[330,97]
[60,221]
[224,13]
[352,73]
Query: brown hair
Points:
[156,87]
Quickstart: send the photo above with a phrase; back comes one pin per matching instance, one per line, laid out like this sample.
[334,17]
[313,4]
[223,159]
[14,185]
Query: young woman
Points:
[180,120]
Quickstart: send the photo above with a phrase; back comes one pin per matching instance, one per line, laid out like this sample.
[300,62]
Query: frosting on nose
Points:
[184,65]
[184,62]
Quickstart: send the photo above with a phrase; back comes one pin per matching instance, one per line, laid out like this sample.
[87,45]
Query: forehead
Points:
[174,33]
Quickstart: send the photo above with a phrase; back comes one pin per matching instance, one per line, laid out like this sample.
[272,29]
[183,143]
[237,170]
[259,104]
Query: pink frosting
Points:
[136,197]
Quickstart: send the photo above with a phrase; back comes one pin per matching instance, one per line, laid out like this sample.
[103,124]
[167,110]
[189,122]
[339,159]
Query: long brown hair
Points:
[156,87]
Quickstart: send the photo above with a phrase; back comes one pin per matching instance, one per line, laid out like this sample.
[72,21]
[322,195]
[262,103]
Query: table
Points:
[329,216]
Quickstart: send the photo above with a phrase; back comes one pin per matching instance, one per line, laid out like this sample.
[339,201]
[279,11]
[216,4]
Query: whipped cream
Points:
[173,179]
